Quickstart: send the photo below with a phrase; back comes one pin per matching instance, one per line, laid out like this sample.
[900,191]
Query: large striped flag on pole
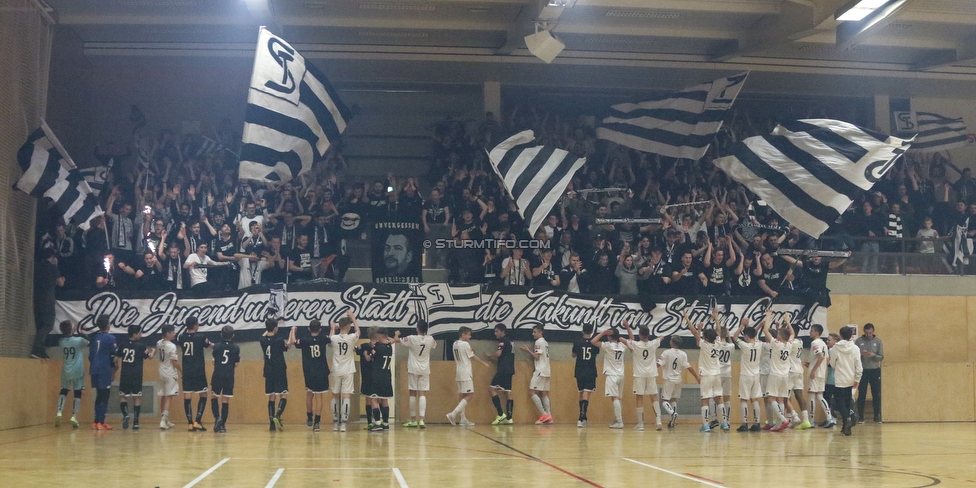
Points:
[49,172]
[809,171]
[293,114]
[535,176]
[679,125]
[938,133]
[97,177]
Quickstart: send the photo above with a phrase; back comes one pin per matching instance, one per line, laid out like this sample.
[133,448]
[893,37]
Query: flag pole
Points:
[57,145]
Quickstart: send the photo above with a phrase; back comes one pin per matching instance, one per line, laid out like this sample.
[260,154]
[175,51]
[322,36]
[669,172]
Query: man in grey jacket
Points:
[872,353]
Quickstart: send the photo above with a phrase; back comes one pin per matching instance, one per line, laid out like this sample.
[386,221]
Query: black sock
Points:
[136,410]
[376,416]
[309,415]
[497,402]
[581,411]
[201,407]
[508,408]
[318,418]
[124,408]
[271,410]
[224,409]
[385,410]
[281,407]
[188,410]
[586,407]
[215,407]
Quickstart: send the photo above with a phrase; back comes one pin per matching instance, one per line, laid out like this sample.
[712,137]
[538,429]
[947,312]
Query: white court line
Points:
[706,483]
[336,469]
[206,473]
[399,477]
[274,479]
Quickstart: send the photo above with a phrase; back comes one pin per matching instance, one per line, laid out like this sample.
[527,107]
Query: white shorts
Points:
[466,386]
[539,382]
[817,385]
[796,380]
[645,386]
[418,382]
[671,390]
[711,386]
[749,387]
[726,386]
[343,384]
[778,386]
[614,386]
[168,386]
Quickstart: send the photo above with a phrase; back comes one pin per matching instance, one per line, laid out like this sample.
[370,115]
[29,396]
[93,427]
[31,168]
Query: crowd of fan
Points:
[177,218]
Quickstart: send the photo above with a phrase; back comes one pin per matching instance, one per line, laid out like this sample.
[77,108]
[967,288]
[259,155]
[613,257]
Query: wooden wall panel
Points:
[890,316]
[938,330]
[839,312]
[21,404]
[928,392]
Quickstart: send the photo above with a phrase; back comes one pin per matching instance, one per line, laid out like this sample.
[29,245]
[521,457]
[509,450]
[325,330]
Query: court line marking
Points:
[206,473]
[691,478]
[336,469]
[533,458]
[399,478]
[274,479]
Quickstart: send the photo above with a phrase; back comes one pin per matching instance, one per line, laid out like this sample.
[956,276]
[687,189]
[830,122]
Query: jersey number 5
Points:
[226,357]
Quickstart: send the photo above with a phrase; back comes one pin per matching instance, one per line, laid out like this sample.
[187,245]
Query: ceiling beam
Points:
[725,6]
[524,21]
[703,32]
[795,20]
[965,52]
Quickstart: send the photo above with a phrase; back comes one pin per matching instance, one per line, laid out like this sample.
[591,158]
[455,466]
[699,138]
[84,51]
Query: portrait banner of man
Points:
[396,252]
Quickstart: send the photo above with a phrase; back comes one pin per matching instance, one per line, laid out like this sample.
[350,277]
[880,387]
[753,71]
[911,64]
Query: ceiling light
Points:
[257,5]
[859,9]
[562,3]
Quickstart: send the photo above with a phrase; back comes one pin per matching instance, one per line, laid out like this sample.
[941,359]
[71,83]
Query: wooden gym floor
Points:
[889,455]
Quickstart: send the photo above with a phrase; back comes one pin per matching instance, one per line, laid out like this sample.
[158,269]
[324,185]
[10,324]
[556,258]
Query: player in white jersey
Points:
[779,371]
[613,369]
[766,356]
[343,368]
[708,368]
[749,366]
[418,373]
[672,363]
[463,376]
[169,366]
[818,372]
[645,372]
[539,386]
[726,347]
[796,382]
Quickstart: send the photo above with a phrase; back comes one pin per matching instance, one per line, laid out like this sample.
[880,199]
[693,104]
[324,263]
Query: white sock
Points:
[640,415]
[413,407]
[335,410]
[617,411]
[745,411]
[459,409]
[704,414]
[780,417]
[538,404]
[674,407]
[165,414]
[728,412]
[769,412]
[345,410]
[806,415]
[423,406]
[657,412]
[755,411]
[712,409]
[667,408]
[824,405]
[546,405]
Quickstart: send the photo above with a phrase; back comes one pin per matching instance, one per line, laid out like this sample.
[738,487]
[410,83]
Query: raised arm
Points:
[692,327]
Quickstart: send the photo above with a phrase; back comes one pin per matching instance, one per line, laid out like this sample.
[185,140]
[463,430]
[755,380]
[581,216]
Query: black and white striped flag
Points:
[293,114]
[679,125]
[49,172]
[535,176]
[809,171]
[208,146]
[938,133]
[97,177]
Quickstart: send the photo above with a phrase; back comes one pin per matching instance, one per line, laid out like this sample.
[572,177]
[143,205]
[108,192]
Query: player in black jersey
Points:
[381,364]
[315,366]
[364,351]
[275,372]
[585,354]
[226,355]
[194,373]
[501,384]
[132,353]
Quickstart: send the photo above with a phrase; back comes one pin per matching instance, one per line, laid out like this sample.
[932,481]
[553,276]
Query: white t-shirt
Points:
[725,359]
[462,360]
[418,362]
[343,354]
[708,359]
[166,353]
[779,363]
[516,276]
[198,275]
[672,363]
[796,352]
[819,349]
[752,354]
[250,272]
[542,362]
[613,362]
[645,357]
[766,356]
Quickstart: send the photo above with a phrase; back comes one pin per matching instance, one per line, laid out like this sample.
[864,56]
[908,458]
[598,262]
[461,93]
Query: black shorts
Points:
[366,385]
[130,385]
[382,386]
[502,381]
[586,383]
[195,383]
[317,382]
[276,382]
[222,385]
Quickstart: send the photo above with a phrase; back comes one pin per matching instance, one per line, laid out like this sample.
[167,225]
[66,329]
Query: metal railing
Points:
[895,255]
